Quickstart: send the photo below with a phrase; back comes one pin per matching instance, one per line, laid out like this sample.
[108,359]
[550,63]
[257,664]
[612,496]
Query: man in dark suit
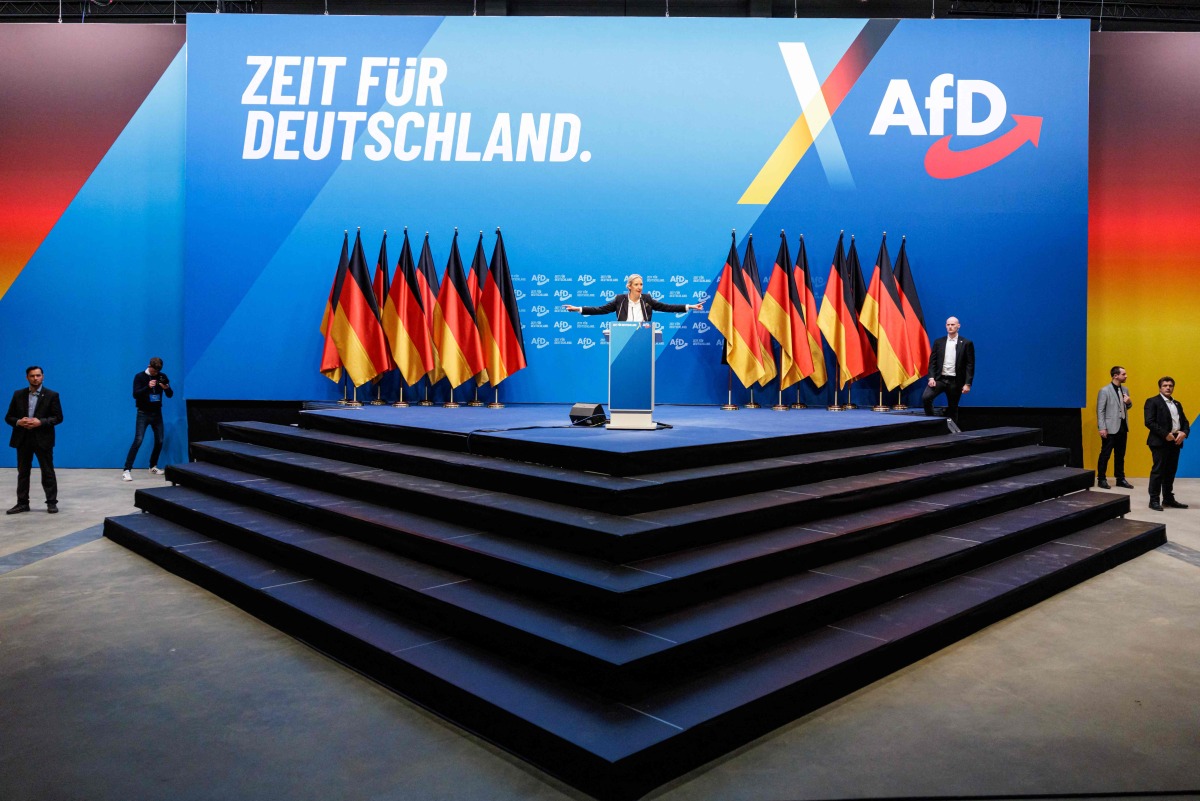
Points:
[1168,429]
[33,414]
[951,370]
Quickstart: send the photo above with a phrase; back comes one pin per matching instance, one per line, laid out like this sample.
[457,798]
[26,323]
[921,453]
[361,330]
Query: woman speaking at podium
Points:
[635,307]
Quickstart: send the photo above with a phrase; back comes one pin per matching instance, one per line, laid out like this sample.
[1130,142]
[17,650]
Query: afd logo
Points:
[587,342]
[656,294]
[701,327]
[700,295]
[607,324]
[679,344]
[562,294]
[540,279]
[586,280]
[541,342]
[519,294]
[562,325]
[899,109]
[678,280]
[814,128]
[608,294]
[540,311]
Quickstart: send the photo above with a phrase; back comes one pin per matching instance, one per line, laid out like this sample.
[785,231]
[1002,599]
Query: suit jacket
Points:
[964,360]
[620,304]
[1158,420]
[1108,410]
[48,410]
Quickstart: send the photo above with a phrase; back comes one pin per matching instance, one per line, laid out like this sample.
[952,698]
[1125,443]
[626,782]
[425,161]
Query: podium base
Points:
[637,421]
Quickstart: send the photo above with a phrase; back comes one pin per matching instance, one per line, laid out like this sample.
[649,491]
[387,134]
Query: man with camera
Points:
[149,387]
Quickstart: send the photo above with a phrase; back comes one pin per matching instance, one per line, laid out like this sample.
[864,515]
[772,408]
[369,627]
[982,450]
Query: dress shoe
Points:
[20,507]
[1156,506]
[1122,483]
[52,508]
[1102,483]
[1174,504]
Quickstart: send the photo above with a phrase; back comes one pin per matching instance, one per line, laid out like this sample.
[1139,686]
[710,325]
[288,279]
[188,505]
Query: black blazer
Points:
[48,410]
[1158,420]
[964,360]
[620,305]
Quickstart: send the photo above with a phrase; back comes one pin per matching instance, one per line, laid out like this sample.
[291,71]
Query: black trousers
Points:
[155,422]
[45,457]
[1162,473]
[1113,444]
[953,390]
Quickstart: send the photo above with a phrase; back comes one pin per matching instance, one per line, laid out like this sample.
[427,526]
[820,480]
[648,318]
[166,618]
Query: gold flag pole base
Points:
[833,407]
[353,404]
[881,408]
[449,405]
[475,401]
[780,406]
[496,404]
[426,402]
[378,402]
[798,405]
[899,407]
[400,404]
[729,407]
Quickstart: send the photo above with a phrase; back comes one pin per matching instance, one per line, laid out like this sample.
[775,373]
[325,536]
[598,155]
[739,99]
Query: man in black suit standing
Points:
[1168,429]
[951,370]
[33,414]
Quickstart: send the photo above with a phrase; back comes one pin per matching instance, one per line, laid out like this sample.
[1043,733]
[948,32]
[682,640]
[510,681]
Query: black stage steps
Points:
[618,631]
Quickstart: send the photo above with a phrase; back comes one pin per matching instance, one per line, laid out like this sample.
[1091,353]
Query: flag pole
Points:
[344,401]
[798,404]
[881,406]
[354,403]
[496,404]
[850,405]
[729,405]
[400,402]
[780,406]
[835,406]
[378,393]
[450,404]
[475,401]
[426,401]
[899,405]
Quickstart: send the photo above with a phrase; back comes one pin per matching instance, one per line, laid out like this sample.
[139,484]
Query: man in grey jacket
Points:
[1112,418]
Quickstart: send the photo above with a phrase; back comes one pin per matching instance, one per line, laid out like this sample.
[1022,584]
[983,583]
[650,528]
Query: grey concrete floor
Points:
[120,681]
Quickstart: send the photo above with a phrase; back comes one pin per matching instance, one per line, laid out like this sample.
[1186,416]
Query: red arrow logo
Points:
[942,162]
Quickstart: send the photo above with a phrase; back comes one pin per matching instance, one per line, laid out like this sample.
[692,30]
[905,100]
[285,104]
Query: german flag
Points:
[733,316]
[499,320]
[475,281]
[803,278]
[405,322]
[428,281]
[766,355]
[354,325]
[380,286]
[919,349]
[860,298]
[782,317]
[331,362]
[455,332]
[838,320]
[882,316]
